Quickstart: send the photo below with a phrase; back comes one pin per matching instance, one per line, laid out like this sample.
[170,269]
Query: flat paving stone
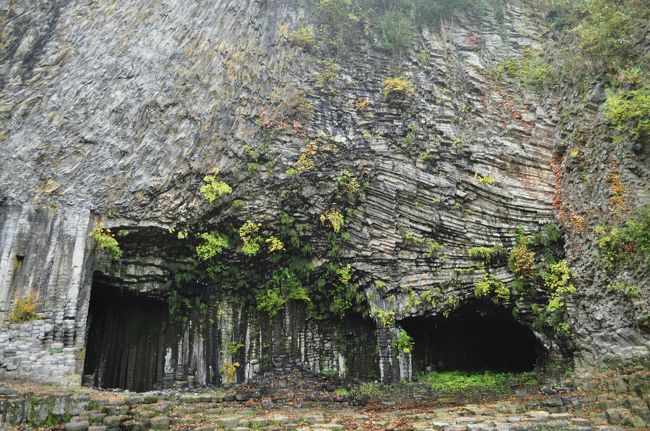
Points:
[77,426]
[229,422]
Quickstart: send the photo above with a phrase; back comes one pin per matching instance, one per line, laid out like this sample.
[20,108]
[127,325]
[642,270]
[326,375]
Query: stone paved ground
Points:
[301,407]
[209,416]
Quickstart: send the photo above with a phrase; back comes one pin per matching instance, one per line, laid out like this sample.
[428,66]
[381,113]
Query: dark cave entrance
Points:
[125,346]
[476,337]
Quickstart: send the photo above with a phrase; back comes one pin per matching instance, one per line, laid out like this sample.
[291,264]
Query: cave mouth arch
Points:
[475,337]
[126,339]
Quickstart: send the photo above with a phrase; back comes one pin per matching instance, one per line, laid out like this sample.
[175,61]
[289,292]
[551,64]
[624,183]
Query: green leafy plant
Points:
[385,318]
[522,259]
[271,301]
[212,188]
[344,274]
[339,306]
[625,289]
[342,392]
[365,392]
[627,246]
[485,180]
[433,249]
[608,31]
[106,241]
[486,254]
[490,286]
[557,280]
[629,110]
[531,68]
[327,74]
[214,243]
[349,186]
[403,342]
[251,240]
[234,347]
[54,421]
[396,31]
[426,156]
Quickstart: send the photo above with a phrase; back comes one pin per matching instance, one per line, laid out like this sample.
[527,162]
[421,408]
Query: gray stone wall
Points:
[45,251]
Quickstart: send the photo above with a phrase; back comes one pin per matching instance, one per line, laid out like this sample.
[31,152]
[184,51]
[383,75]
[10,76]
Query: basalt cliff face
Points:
[395,209]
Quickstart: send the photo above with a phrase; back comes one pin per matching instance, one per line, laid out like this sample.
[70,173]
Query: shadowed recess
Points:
[476,337]
[126,340]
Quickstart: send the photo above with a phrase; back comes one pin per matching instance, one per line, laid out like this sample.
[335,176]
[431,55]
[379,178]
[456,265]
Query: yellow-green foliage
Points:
[477,384]
[396,31]
[491,287]
[366,391]
[349,185]
[522,260]
[411,238]
[608,32]
[486,254]
[305,161]
[251,240]
[344,274]
[106,241]
[339,306]
[234,347]
[340,21]
[274,244]
[212,188]
[485,180]
[385,318]
[625,289]
[398,87]
[629,110]
[271,301]
[229,370]
[404,342]
[530,69]
[304,37]
[628,246]
[609,29]
[433,248]
[557,281]
[213,244]
[328,73]
[334,218]
[25,309]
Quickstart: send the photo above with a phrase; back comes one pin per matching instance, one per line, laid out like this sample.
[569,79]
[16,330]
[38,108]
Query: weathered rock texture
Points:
[119,108]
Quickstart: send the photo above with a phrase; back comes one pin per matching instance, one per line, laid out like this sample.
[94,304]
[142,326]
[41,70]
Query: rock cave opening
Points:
[476,337]
[125,345]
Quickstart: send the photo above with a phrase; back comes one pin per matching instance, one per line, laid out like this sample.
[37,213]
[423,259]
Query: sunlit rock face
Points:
[114,111]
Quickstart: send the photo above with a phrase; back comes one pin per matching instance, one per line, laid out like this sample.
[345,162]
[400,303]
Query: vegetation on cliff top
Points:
[346,22]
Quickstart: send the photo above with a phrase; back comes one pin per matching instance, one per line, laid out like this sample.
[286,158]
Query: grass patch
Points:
[342,392]
[488,383]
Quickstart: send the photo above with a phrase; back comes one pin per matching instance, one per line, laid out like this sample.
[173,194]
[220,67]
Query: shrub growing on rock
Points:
[106,241]
[212,188]
[629,110]
[214,243]
[398,88]
[25,309]
[304,38]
